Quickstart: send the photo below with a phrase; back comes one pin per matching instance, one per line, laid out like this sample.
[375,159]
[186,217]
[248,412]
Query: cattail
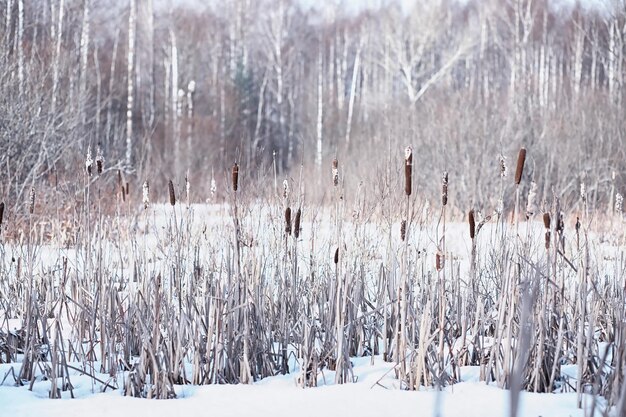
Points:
[439,261]
[170,186]
[296,230]
[1,214]
[335,172]
[503,170]
[403,230]
[235,176]
[472,224]
[285,189]
[127,190]
[521,158]
[577,224]
[146,194]
[560,224]
[408,170]
[547,240]
[546,220]
[99,160]
[31,206]
[89,162]
[336,257]
[619,203]
[288,220]
[444,189]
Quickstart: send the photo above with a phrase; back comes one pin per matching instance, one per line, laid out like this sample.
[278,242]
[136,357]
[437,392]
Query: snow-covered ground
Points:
[375,393]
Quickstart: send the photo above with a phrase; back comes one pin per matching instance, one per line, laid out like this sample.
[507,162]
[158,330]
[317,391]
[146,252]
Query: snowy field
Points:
[375,390]
[374,394]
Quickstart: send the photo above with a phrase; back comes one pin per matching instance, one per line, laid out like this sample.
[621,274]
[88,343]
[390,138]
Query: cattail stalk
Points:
[288,220]
[519,170]
[408,170]
[170,186]
[235,177]
[296,230]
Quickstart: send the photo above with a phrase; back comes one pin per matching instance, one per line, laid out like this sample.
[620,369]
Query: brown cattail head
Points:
[444,189]
[403,230]
[408,170]
[1,214]
[577,224]
[546,220]
[288,220]
[235,176]
[336,257]
[472,224]
[127,189]
[519,170]
[296,227]
[99,160]
[31,205]
[439,261]
[170,186]
[560,224]
[335,172]
[548,239]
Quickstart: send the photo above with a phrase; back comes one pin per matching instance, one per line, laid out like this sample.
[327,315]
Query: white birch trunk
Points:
[131,78]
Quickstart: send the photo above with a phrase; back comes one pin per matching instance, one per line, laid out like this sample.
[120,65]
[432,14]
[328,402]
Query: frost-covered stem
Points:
[130,72]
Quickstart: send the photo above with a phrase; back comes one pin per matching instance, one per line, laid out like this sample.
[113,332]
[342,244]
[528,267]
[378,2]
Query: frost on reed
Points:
[444,189]
[89,162]
[31,201]
[146,195]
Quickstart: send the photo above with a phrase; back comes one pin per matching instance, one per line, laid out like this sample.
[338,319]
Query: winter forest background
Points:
[168,90]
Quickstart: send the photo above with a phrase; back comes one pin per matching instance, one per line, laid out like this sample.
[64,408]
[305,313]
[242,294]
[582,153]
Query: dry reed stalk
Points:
[296,229]
[235,176]
[31,199]
[170,187]
[99,160]
[89,162]
[146,195]
[444,189]
[408,170]
[519,170]
[288,220]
